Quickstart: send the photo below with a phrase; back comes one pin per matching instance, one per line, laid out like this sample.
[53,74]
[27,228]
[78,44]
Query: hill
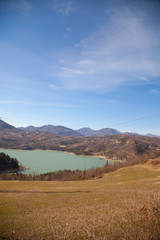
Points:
[122,147]
[88,132]
[122,205]
[64,131]
[117,146]
[152,135]
[59,130]
[4,125]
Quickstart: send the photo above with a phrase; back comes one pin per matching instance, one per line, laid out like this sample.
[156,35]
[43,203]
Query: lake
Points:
[43,161]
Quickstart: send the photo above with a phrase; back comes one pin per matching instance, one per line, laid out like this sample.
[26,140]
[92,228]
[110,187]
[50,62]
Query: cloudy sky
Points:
[88,63]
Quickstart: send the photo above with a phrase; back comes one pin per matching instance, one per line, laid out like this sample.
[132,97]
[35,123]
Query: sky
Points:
[88,63]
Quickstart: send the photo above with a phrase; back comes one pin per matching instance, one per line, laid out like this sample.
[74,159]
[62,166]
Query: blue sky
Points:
[90,63]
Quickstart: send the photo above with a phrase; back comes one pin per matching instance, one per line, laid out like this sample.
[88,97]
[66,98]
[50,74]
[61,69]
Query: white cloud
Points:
[112,101]
[143,78]
[67,32]
[86,62]
[22,6]
[154,91]
[67,72]
[124,50]
[64,7]
[53,86]
[13,102]
[21,102]
[60,105]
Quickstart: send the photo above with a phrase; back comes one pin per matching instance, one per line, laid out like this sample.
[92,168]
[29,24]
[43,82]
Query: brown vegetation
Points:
[74,175]
[122,147]
[124,205]
[154,162]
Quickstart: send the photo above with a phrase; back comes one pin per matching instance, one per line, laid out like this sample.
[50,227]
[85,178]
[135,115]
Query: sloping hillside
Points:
[112,147]
[122,205]
[4,125]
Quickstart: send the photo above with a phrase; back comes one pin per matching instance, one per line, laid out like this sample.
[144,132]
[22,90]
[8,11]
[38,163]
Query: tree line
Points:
[75,175]
[8,163]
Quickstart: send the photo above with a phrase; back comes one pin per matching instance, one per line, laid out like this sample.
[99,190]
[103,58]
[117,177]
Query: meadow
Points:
[124,204]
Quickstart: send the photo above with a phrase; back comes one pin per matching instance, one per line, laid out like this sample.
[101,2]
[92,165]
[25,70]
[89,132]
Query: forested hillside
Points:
[8,163]
[123,147]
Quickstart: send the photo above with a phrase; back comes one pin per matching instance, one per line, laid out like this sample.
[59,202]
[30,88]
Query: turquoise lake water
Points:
[43,161]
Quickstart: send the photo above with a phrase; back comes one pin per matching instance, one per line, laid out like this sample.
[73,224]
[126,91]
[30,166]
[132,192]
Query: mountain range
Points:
[105,142]
[88,132]
[64,131]
[4,125]
[59,130]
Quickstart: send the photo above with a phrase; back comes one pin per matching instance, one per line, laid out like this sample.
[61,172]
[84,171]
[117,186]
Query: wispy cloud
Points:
[143,79]
[12,102]
[154,91]
[21,6]
[67,32]
[53,86]
[68,72]
[64,7]
[113,101]
[61,105]
[21,102]
[123,51]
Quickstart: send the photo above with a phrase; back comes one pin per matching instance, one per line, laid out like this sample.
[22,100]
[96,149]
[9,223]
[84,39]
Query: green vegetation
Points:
[8,163]
[123,205]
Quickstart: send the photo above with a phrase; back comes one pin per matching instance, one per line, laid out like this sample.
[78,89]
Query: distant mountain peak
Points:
[59,130]
[65,131]
[131,133]
[85,128]
[88,132]
[152,135]
[4,125]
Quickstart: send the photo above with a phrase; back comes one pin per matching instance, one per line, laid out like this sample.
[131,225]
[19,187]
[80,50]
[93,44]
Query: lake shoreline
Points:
[71,153]
[43,161]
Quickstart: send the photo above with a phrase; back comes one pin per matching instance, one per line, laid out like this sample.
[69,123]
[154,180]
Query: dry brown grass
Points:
[154,162]
[124,205]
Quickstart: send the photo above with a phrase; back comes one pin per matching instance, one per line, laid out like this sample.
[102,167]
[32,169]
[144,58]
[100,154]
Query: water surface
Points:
[43,161]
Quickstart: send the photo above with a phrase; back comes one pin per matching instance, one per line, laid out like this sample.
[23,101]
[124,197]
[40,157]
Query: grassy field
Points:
[122,205]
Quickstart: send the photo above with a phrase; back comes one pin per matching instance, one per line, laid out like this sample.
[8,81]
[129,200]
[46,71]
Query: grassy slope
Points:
[74,210]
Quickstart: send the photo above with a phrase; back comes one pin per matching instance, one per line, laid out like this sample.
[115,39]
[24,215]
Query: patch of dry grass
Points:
[124,205]
[154,162]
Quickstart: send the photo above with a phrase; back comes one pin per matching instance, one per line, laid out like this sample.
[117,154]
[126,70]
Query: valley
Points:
[118,201]
[120,147]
